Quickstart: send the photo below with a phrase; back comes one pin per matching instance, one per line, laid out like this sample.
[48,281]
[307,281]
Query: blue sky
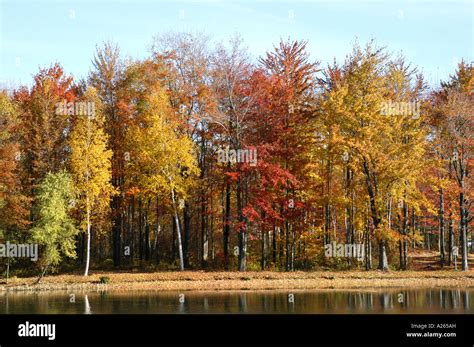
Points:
[433,35]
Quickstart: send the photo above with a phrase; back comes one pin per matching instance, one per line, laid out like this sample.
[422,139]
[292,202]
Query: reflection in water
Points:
[87,306]
[242,303]
[425,300]
[182,303]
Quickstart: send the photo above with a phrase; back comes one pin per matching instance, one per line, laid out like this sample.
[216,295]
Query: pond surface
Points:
[394,301]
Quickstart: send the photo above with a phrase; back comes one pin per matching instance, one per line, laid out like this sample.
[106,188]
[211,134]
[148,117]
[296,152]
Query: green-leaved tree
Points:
[55,230]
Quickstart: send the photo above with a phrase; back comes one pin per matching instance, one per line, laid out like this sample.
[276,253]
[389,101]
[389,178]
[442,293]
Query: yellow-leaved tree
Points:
[370,117]
[162,159]
[90,165]
[388,146]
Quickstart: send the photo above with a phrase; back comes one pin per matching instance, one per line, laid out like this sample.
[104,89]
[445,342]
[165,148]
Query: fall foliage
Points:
[199,157]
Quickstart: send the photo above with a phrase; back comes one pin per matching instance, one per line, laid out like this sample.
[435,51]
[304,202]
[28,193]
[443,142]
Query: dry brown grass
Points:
[200,280]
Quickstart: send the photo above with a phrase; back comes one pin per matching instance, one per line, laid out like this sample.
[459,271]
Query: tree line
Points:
[124,169]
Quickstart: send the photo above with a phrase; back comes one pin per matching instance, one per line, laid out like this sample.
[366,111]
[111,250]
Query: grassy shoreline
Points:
[264,280]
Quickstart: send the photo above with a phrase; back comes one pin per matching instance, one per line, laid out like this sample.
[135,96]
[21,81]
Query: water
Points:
[394,301]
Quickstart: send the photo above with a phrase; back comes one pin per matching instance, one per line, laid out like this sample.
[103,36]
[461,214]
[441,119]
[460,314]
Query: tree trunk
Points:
[274,243]
[226,233]
[204,234]
[383,263]
[116,227]
[327,206]
[187,233]
[213,249]
[348,212]
[8,270]
[280,249]
[451,236]
[327,223]
[368,243]
[173,238]
[88,251]
[403,241]
[372,189]
[178,232]
[442,250]
[140,229]
[368,250]
[263,250]
[463,228]
[242,227]
[287,245]
[132,233]
[156,253]
[147,232]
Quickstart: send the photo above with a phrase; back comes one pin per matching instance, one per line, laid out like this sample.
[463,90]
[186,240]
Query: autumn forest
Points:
[203,157]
